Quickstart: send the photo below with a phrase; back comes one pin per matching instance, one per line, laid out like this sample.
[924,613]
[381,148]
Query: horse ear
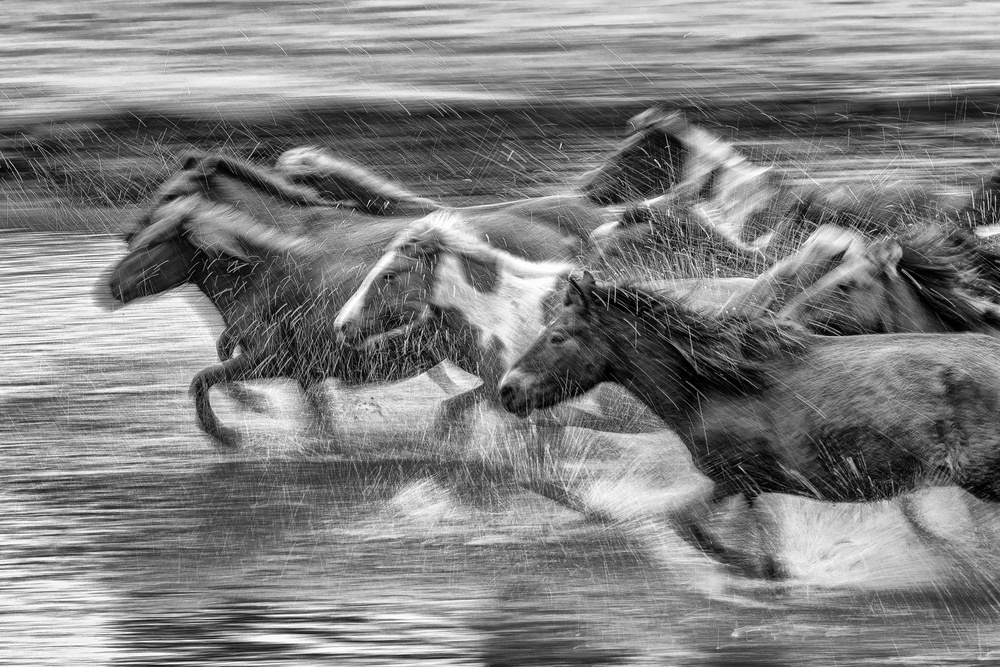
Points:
[886,256]
[427,246]
[190,160]
[578,293]
[166,221]
[635,216]
[660,118]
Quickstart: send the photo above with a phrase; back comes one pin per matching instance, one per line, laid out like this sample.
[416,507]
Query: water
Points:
[128,539]
[233,54]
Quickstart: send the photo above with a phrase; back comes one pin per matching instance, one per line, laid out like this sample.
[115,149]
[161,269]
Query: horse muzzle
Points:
[349,334]
[516,393]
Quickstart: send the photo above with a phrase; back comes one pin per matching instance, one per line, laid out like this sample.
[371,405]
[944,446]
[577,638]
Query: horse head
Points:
[188,238]
[922,281]
[569,357]
[159,257]
[826,249]
[344,181]
[649,162]
[704,187]
[866,294]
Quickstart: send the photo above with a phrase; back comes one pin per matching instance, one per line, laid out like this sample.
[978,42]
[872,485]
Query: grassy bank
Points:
[88,173]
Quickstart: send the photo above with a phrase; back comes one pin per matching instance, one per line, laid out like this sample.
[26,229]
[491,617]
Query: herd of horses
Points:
[815,378]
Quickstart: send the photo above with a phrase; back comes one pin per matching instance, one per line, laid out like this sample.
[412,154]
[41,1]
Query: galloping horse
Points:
[485,303]
[277,295]
[715,189]
[753,211]
[766,407]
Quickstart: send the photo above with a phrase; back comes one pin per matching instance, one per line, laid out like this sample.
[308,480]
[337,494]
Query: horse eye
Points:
[557,338]
[388,278]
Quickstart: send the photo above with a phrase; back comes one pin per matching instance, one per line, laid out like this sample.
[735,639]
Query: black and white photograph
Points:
[499,333]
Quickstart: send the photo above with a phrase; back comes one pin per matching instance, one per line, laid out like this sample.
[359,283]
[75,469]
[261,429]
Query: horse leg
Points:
[947,524]
[763,529]
[452,411]
[225,348]
[757,559]
[543,432]
[238,368]
[439,376]
[318,400]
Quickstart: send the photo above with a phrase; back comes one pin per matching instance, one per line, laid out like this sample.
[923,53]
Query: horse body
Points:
[906,414]
[766,407]
[750,211]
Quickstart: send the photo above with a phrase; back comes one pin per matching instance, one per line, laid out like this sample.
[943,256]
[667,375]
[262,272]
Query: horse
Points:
[750,213]
[932,280]
[276,293]
[766,407]
[487,303]
[714,190]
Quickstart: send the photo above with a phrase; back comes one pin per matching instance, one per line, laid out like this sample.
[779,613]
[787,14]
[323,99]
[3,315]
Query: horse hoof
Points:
[254,401]
[771,569]
[227,437]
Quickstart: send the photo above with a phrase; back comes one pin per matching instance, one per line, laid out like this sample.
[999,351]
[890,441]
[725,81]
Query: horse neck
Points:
[644,362]
[264,207]
[772,290]
[903,311]
[506,319]
[225,284]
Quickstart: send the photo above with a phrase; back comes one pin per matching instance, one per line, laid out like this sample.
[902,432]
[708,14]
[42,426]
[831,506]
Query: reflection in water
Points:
[129,540]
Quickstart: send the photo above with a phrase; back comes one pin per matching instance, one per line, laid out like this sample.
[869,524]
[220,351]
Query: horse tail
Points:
[268,182]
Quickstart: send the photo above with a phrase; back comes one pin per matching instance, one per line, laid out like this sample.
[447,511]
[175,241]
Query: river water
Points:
[129,539]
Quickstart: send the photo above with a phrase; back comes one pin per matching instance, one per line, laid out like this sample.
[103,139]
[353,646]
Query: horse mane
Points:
[221,229]
[729,352]
[445,230]
[344,180]
[946,269]
[659,148]
[257,177]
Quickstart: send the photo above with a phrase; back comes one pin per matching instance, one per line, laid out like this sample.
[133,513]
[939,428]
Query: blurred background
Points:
[127,538]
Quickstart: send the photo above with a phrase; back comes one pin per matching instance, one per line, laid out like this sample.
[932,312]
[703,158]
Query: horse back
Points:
[900,409]
[522,236]
[860,418]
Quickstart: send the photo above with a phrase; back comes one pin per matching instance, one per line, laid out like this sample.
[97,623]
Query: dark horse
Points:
[275,293]
[766,407]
